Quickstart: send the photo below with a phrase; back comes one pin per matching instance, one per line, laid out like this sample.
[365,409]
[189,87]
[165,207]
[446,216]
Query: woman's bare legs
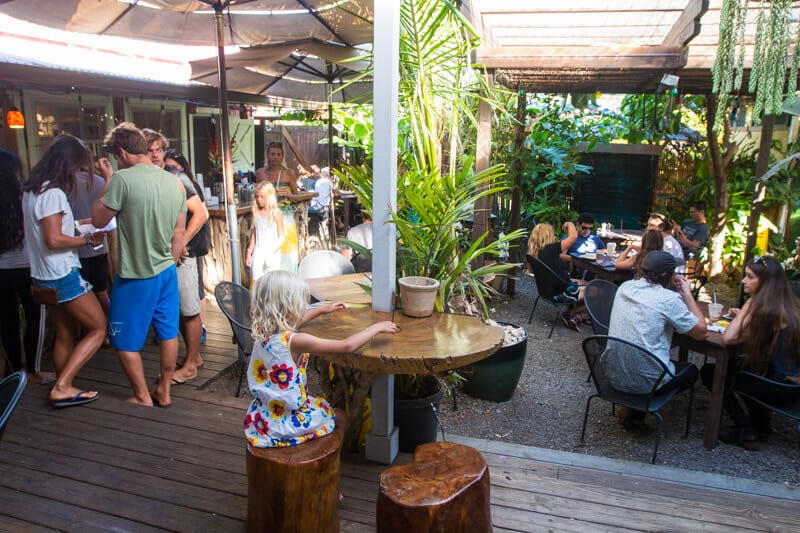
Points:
[68,357]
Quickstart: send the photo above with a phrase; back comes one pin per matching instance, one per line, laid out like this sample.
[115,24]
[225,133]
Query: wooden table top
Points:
[609,273]
[440,342]
[344,288]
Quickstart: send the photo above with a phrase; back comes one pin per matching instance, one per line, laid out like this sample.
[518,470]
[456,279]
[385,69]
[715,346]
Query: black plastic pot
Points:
[416,420]
[495,378]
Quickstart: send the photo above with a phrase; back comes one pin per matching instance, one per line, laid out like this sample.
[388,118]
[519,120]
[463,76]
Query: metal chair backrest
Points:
[324,263]
[11,389]
[596,347]
[778,389]
[235,303]
[598,296]
[548,283]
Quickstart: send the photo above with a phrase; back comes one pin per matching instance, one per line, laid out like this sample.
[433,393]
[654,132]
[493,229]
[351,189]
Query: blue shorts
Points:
[138,303]
[69,287]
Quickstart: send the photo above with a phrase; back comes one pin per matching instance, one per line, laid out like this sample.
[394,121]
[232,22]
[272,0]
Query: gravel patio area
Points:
[547,408]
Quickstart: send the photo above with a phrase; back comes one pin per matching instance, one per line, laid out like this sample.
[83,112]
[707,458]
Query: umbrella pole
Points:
[225,144]
[330,162]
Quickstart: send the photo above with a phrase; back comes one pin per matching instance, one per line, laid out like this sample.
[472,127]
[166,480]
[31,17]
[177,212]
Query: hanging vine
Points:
[774,38]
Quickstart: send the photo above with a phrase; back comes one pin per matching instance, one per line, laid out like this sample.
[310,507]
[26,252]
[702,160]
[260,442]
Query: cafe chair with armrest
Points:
[651,402]
[598,296]
[748,384]
[324,263]
[10,392]
[234,301]
[549,286]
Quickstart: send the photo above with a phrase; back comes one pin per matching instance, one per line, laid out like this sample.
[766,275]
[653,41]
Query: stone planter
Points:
[496,377]
[417,295]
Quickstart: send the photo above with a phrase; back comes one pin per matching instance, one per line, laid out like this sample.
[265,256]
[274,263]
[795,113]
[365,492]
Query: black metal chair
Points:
[652,402]
[694,272]
[549,286]
[234,301]
[10,392]
[598,296]
[324,263]
[747,381]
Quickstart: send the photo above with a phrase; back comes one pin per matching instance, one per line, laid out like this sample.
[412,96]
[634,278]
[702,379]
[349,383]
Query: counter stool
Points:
[445,488]
[295,489]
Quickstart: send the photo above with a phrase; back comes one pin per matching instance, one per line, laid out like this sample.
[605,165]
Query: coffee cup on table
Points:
[612,248]
[714,311]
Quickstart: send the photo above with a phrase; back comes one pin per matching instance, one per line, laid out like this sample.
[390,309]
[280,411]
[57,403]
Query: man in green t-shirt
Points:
[150,206]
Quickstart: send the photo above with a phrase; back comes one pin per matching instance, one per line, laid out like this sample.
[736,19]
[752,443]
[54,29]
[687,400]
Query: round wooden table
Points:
[430,345]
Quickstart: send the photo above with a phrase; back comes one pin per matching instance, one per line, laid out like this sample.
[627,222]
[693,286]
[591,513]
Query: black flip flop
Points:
[159,404]
[75,400]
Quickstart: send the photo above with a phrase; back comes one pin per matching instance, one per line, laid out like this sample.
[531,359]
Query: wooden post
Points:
[517,255]
[481,209]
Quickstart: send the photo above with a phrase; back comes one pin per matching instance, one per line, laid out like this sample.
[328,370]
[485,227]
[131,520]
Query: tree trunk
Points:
[718,229]
[759,191]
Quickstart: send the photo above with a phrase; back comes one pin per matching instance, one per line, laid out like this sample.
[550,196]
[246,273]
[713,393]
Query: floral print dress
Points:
[282,413]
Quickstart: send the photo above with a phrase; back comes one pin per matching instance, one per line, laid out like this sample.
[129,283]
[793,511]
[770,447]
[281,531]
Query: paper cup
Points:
[612,248]
[714,311]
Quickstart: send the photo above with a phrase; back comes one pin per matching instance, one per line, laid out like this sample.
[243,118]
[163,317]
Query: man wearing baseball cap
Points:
[646,311]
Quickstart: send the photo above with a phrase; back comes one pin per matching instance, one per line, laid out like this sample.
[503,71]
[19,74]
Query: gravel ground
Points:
[547,408]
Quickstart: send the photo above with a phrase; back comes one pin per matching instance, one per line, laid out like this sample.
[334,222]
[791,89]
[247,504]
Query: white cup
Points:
[612,248]
[714,311]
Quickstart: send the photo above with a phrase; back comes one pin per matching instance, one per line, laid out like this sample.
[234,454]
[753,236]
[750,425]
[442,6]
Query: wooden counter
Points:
[218,264]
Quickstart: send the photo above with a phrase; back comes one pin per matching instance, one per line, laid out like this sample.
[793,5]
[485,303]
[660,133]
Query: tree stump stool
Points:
[295,489]
[445,488]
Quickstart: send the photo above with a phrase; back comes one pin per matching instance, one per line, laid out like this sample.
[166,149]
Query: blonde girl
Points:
[282,413]
[266,235]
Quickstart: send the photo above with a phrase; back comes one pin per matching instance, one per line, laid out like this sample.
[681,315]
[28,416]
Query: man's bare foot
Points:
[136,401]
[182,362]
[183,375]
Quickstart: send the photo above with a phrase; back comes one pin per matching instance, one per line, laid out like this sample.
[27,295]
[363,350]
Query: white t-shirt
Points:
[673,247]
[322,187]
[47,264]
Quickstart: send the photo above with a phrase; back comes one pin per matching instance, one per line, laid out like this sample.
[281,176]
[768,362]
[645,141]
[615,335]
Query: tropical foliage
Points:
[771,59]
[439,93]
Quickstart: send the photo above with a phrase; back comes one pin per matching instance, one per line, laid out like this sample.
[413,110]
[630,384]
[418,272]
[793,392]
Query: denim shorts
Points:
[69,287]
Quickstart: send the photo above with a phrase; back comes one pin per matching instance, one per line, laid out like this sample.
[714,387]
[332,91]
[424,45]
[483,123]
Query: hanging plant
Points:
[770,56]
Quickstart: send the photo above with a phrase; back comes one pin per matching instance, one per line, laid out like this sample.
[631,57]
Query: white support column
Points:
[382,441]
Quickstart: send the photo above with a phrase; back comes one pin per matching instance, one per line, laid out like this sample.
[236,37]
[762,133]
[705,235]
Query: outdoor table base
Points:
[712,346]
[430,345]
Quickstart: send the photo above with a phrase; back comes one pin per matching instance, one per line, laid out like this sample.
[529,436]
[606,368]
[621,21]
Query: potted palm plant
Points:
[437,185]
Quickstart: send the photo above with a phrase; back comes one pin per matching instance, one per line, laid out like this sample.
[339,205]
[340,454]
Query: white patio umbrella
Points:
[309,70]
[189,22]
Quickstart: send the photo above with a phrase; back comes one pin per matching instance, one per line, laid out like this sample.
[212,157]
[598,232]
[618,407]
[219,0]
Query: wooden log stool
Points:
[296,488]
[445,488]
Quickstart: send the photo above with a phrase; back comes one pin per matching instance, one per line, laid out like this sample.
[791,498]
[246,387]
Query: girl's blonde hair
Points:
[280,301]
[270,204]
[541,236]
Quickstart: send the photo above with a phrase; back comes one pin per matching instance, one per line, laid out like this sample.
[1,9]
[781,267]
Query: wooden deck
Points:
[115,466]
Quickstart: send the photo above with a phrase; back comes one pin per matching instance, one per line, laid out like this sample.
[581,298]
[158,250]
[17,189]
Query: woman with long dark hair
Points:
[15,274]
[52,250]
[631,258]
[768,328]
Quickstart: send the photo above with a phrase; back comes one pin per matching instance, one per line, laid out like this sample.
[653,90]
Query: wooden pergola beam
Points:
[589,57]
[687,27]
